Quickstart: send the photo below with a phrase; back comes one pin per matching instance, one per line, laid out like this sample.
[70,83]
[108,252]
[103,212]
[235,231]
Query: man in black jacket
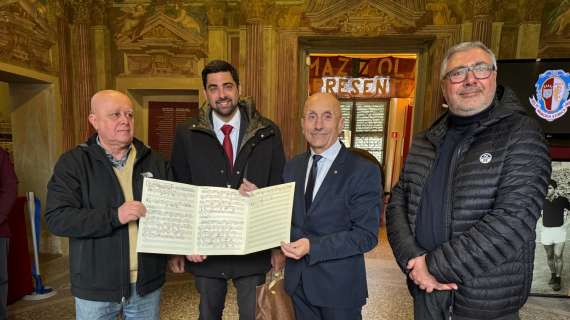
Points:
[226,144]
[94,199]
[461,220]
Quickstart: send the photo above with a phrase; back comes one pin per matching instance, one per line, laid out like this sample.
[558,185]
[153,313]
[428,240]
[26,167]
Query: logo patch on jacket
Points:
[485,158]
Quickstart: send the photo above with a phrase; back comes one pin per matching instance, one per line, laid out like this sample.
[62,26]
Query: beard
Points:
[224,112]
[467,107]
[470,98]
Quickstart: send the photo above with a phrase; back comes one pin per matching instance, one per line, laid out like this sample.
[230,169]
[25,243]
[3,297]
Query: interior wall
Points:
[133,85]
[4,102]
[35,141]
[395,140]
[169,98]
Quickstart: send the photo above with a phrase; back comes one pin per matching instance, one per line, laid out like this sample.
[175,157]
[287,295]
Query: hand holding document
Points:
[184,219]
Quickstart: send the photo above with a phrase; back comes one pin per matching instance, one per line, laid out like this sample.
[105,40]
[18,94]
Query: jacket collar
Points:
[98,152]
[252,121]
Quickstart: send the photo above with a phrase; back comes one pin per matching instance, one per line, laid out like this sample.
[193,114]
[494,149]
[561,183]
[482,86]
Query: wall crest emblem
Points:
[552,88]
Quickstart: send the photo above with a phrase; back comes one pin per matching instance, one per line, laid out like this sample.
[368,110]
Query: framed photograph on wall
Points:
[551,276]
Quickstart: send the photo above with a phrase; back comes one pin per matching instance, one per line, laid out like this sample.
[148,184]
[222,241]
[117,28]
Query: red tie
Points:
[227,144]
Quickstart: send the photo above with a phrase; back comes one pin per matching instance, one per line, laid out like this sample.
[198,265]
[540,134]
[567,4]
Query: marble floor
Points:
[389,298]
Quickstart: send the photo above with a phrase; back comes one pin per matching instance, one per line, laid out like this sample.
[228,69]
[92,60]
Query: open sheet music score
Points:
[184,219]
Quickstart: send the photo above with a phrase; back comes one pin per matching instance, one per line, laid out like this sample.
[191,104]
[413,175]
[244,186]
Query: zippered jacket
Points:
[499,176]
[198,158]
[83,198]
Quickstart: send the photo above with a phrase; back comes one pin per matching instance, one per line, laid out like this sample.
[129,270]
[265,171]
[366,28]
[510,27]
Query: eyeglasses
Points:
[480,71]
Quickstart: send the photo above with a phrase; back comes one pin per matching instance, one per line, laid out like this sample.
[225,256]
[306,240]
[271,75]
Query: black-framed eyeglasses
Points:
[480,71]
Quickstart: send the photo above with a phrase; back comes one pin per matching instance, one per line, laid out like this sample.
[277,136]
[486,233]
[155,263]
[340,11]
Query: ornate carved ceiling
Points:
[363,18]
[160,44]
[159,29]
[25,34]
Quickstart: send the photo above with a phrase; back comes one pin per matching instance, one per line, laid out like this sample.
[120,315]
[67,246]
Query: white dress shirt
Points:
[234,135]
[323,165]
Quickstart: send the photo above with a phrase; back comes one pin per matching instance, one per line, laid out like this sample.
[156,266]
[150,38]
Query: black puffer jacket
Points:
[199,159]
[83,197]
[494,209]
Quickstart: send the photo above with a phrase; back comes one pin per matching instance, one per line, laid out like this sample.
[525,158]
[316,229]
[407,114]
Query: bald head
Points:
[323,99]
[322,121]
[112,117]
[104,96]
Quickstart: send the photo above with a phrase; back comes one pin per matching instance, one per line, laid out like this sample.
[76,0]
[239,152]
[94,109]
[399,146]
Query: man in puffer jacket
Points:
[461,220]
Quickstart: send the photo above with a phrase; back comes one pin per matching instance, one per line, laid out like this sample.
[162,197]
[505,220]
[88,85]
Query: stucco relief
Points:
[364,19]
[25,35]
[186,20]
[318,5]
[255,9]
[508,12]
[131,21]
[559,20]
[216,13]
[161,65]
[441,13]
[531,11]
[555,35]
[289,17]
[482,7]
[155,42]
[81,11]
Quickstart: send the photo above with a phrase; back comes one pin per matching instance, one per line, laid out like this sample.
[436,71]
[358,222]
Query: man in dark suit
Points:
[336,217]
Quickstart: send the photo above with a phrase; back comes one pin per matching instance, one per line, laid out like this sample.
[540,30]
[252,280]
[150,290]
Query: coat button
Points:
[222,171]
[237,172]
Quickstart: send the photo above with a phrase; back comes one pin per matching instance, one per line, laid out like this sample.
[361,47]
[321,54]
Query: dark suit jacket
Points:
[341,225]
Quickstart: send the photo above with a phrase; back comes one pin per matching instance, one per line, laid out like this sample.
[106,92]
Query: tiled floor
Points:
[389,298]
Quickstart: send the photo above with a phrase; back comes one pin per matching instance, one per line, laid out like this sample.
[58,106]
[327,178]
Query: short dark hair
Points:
[216,66]
[553,183]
